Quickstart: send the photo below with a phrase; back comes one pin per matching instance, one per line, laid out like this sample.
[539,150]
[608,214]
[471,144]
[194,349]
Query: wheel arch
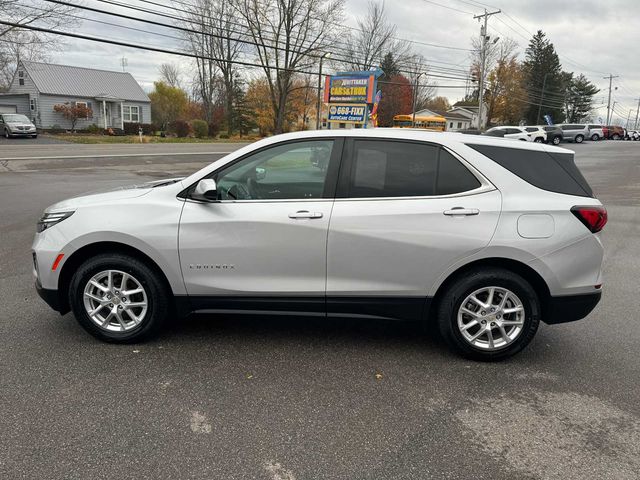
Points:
[72,263]
[525,271]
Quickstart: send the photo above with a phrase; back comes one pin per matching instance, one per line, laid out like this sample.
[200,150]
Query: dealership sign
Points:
[344,113]
[354,88]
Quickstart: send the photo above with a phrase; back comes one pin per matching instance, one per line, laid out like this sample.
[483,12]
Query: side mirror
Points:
[206,191]
[261,173]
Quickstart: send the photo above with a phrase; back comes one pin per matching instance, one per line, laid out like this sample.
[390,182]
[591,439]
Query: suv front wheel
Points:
[489,314]
[579,138]
[118,298]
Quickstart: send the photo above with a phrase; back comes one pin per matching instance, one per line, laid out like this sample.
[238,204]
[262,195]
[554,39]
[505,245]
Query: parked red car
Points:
[614,132]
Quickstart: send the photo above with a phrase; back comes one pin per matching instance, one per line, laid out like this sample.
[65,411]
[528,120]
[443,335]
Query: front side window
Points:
[290,171]
[131,113]
[402,169]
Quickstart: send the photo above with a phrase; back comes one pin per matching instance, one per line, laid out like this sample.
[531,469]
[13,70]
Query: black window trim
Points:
[342,193]
[331,178]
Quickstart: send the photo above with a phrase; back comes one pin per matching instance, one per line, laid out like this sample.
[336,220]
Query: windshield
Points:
[14,118]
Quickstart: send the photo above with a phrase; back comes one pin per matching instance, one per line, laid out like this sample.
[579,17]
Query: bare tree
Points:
[374,38]
[170,74]
[417,70]
[216,38]
[289,35]
[18,44]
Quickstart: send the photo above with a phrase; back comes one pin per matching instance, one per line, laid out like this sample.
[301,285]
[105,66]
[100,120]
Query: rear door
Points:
[404,212]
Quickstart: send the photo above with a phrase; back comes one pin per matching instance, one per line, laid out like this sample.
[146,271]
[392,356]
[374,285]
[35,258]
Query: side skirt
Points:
[392,307]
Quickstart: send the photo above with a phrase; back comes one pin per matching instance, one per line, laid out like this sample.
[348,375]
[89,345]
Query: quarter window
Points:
[290,171]
[402,169]
[131,113]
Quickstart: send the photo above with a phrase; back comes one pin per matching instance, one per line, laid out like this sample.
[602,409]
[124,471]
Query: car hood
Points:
[20,124]
[109,195]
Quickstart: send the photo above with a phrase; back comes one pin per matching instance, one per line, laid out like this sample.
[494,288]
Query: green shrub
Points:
[93,128]
[200,128]
[214,128]
[134,128]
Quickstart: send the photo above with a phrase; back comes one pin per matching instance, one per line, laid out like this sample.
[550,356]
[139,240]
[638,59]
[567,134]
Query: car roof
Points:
[414,134]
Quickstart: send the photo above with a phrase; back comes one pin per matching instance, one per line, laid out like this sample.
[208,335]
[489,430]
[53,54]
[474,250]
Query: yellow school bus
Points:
[435,123]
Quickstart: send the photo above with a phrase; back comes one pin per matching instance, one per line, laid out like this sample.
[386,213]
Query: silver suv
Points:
[574,133]
[484,237]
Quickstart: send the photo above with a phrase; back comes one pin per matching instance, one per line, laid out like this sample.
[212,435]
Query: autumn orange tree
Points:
[259,101]
[73,112]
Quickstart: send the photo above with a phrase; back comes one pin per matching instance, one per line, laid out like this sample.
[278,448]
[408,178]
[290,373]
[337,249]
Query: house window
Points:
[21,77]
[450,124]
[459,124]
[85,105]
[21,81]
[131,113]
[33,105]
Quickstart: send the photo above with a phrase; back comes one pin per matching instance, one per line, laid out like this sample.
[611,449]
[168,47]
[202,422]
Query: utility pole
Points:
[415,96]
[628,118]
[124,63]
[483,47]
[544,83]
[635,126]
[610,77]
[318,104]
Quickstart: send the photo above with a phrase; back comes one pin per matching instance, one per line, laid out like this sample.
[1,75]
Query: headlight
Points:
[50,219]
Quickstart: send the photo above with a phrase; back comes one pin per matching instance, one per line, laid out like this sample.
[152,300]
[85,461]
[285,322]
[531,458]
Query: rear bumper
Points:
[50,297]
[570,308]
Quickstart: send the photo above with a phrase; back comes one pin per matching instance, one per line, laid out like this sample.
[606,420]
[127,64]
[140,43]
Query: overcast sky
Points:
[593,37]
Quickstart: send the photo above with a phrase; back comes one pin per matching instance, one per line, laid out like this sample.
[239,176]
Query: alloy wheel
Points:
[115,301]
[491,318]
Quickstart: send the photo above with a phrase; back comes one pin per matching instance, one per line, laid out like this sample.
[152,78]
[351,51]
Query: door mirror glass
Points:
[261,173]
[205,191]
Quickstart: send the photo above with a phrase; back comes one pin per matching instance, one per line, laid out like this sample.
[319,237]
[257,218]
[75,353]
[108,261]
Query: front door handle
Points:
[305,214]
[455,211]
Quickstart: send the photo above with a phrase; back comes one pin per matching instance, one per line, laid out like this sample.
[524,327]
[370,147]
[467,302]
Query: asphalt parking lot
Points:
[297,398]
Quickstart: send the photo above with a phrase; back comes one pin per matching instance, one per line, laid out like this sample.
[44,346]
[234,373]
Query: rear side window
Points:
[402,169]
[555,172]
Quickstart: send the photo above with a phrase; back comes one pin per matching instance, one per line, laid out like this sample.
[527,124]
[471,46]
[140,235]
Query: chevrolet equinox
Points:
[482,236]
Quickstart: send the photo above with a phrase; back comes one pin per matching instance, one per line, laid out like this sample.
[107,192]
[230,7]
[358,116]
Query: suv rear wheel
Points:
[489,314]
[595,137]
[118,298]
[556,140]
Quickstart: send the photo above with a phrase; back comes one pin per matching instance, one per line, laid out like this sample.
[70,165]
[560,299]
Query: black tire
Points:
[462,287]
[6,133]
[157,295]
[538,140]
[556,140]
[34,136]
[595,137]
[579,139]
[616,136]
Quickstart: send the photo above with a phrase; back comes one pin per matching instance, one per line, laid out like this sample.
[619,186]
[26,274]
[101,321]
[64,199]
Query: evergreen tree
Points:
[243,115]
[579,101]
[389,66]
[542,59]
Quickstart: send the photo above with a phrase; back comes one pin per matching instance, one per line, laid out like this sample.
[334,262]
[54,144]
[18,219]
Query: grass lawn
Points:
[91,139]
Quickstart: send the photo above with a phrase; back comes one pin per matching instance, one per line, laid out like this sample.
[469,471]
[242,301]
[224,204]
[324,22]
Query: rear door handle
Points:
[305,214]
[455,211]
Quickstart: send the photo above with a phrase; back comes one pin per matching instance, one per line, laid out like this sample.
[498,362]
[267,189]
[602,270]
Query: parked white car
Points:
[512,133]
[633,135]
[455,229]
[537,133]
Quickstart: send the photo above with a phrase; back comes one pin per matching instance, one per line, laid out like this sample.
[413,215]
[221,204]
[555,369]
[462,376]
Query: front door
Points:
[408,211]
[262,246]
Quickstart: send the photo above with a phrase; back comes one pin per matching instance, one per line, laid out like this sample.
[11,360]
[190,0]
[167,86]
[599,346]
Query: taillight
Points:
[593,217]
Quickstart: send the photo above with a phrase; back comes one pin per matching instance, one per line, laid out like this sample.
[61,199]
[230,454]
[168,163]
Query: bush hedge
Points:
[180,128]
[200,128]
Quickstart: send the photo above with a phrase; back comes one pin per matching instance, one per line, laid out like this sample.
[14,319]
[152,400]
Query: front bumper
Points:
[51,298]
[570,308]
[26,133]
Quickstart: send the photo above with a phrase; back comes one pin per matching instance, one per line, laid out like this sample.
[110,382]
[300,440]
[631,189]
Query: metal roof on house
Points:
[84,82]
